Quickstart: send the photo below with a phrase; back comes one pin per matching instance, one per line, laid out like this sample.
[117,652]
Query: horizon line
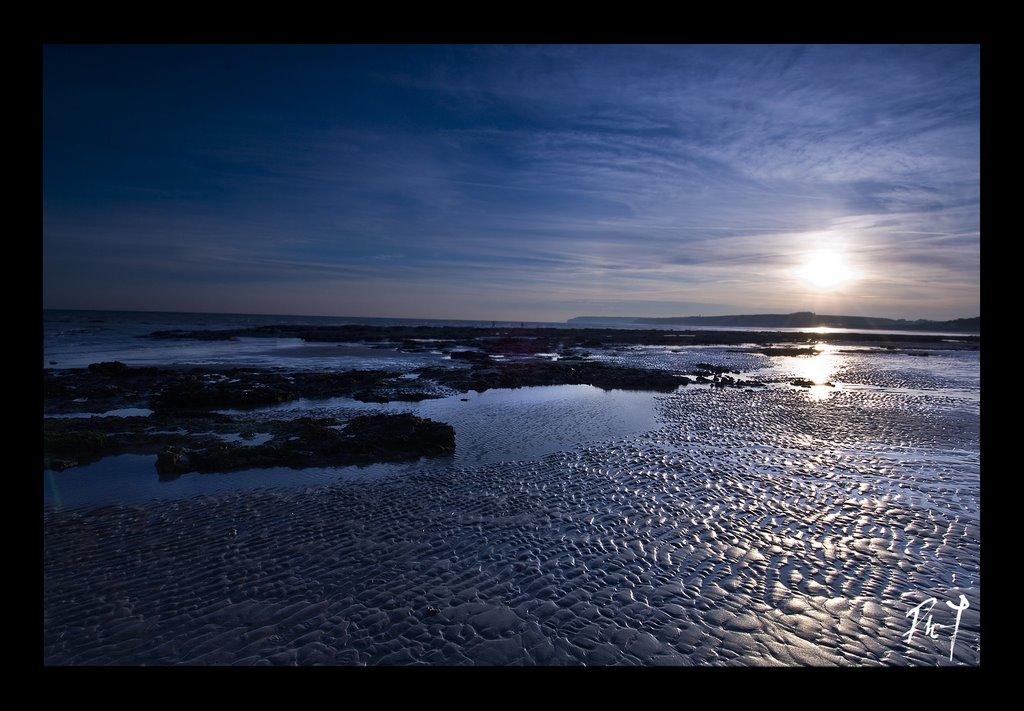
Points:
[501,320]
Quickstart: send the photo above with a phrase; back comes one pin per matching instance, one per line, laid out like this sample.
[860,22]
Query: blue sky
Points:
[512,182]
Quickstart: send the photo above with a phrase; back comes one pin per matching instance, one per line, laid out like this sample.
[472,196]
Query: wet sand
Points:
[748,528]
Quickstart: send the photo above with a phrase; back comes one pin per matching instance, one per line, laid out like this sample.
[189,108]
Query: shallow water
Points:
[505,424]
[500,425]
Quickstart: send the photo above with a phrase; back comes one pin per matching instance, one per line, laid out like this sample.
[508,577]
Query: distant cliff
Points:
[801,319]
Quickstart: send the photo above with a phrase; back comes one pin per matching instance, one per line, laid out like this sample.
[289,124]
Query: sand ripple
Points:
[750,527]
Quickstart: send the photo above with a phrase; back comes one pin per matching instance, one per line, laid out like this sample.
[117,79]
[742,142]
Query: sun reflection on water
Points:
[820,392]
[819,369]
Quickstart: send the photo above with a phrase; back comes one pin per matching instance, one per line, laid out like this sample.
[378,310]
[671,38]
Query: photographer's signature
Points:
[931,628]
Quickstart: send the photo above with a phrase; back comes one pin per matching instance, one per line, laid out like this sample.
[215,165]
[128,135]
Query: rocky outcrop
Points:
[316,442]
[109,368]
[805,383]
[383,438]
[520,374]
[173,461]
[192,392]
[470,356]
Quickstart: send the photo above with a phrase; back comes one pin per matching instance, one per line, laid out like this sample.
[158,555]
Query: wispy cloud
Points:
[541,178]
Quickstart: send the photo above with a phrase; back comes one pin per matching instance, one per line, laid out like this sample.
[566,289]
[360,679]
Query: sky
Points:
[523,182]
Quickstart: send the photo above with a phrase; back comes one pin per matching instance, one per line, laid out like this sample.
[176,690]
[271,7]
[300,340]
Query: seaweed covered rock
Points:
[65,447]
[398,437]
[114,367]
[316,442]
[173,461]
[805,383]
[519,374]
[198,393]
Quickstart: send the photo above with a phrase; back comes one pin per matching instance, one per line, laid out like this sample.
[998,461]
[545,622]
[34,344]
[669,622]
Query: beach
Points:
[759,524]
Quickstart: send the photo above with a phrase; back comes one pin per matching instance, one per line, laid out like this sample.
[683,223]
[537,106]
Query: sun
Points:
[826,270]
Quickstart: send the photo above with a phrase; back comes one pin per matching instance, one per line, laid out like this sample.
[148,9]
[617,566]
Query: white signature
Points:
[931,628]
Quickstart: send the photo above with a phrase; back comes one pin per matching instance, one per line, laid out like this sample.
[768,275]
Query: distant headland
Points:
[800,319]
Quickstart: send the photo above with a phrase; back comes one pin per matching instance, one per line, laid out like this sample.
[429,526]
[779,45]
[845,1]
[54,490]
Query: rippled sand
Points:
[758,527]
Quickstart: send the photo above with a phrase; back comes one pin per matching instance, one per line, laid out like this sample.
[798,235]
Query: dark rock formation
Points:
[65,447]
[715,369]
[115,367]
[788,351]
[387,438]
[196,393]
[804,383]
[173,461]
[519,374]
[470,356]
[316,442]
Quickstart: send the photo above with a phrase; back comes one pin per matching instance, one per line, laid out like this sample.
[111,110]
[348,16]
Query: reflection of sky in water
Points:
[954,373]
[495,426]
[511,424]
[132,479]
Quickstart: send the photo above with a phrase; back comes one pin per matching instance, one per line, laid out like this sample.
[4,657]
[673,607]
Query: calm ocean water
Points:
[76,338]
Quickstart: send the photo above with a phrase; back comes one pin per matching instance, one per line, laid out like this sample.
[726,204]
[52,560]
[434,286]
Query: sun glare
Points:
[818,371]
[826,270]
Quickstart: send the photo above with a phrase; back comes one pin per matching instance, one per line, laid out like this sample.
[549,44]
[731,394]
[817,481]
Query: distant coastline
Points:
[801,319]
